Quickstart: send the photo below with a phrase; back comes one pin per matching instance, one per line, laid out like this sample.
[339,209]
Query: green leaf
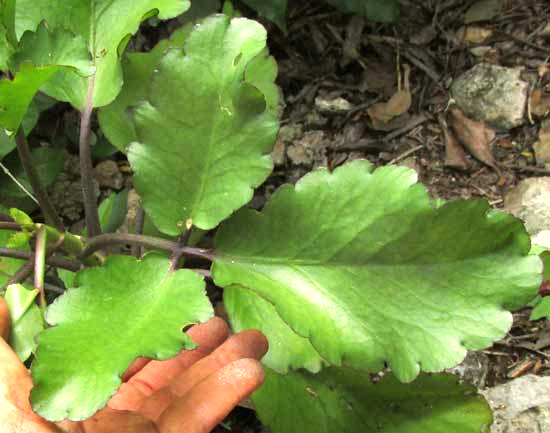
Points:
[8,266]
[386,11]
[366,267]
[115,119]
[112,212]
[247,310]
[341,400]
[125,309]
[48,162]
[106,26]
[40,57]
[273,10]
[21,217]
[26,319]
[541,304]
[200,160]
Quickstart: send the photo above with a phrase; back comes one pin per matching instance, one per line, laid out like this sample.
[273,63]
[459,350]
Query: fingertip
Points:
[214,331]
[4,319]
[247,373]
[256,342]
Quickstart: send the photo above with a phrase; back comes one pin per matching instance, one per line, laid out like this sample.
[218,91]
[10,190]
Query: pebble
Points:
[530,201]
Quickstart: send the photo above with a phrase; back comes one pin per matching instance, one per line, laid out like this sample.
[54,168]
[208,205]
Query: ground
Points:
[336,69]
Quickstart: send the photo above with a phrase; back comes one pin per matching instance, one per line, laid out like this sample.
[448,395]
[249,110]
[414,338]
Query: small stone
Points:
[542,239]
[108,175]
[521,406]
[332,106]
[530,201]
[278,153]
[310,150]
[494,94]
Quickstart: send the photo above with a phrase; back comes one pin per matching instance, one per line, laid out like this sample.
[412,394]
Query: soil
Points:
[334,67]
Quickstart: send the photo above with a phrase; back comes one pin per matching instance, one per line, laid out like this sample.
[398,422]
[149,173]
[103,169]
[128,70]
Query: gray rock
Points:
[521,406]
[494,94]
[530,201]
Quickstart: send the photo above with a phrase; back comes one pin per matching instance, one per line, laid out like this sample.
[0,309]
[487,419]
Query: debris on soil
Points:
[108,175]
[474,369]
[542,146]
[521,406]
[494,94]
[530,201]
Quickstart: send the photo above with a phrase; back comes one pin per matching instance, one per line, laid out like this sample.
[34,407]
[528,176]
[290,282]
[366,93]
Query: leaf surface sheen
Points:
[124,309]
[345,401]
[106,26]
[205,134]
[370,270]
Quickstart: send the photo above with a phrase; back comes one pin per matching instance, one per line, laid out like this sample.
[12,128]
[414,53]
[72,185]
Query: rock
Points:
[494,94]
[310,150]
[333,106]
[521,406]
[530,201]
[542,239]
[542,146]
[108,175]
[483,10]
[473,369]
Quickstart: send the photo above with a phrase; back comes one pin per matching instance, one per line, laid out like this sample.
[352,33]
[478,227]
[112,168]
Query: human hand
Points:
[190,393]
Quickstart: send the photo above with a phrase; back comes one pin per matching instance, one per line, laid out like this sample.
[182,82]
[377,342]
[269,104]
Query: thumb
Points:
[4,320]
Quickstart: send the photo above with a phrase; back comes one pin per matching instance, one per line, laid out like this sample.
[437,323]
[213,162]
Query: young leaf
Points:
[386,11]
[204,136]
[125,309]
[365,266]
[273,10]
[115,120]
[247,310]
[26,319]
[40,57]
[341,400]
[106,27]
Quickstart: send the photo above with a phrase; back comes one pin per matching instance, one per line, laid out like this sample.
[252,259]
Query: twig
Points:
[9,225]
[58,262]
[50,215]
[139,222]
[40,265]
[19,184]
[108,239]
[182,243]
[86,167]
[405,154]
[53,288]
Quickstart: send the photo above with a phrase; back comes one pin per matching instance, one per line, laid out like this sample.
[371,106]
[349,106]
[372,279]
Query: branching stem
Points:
[108,239]
[50,215]
[178,253]
[9,225]
[58,262]
[86,167]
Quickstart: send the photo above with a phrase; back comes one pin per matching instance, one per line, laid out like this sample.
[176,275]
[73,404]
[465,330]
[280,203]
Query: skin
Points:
[191,393]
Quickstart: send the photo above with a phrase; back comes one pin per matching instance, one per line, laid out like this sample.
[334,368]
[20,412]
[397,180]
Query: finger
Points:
[248,344]
[4,320]
[210,401]
[135,366]
[158,374]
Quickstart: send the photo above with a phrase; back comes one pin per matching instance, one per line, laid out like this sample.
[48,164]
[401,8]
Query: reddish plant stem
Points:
[178,253]
[50,214]
[140,223]
[9,225]
[86,167]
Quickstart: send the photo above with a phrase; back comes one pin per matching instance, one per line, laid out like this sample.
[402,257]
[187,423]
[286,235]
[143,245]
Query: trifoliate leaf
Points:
[115,119]
[366,267]
[26,319]
[273,10]
[247,310]
[386,11]
[48,163]
[204,136]
[40,57]
[106,26]
[341,400]
[125,309]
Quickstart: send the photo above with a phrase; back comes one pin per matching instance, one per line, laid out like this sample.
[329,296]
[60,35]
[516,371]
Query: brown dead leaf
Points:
[474,136]
[539,104]
[455,157]
[399,103]
[542,146]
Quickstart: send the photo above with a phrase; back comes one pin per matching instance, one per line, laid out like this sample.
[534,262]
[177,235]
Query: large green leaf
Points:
[365,266]
[344,401]
[115,119]
[205,135]
[125,309]
[106,25]
[247,310]
[48,162]
[274,10]
[26,319]
[386,11]
[41,55]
